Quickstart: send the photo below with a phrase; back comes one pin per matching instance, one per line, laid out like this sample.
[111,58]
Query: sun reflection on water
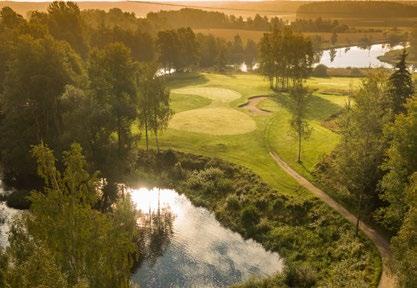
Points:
[197,251]
[147,200]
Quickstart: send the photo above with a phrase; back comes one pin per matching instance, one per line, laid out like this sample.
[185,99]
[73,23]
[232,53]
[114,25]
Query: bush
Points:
[299,276]
[232,202]
[210,180]
[249,216]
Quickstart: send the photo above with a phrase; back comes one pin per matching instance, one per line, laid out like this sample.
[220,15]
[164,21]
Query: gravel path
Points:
[387,279]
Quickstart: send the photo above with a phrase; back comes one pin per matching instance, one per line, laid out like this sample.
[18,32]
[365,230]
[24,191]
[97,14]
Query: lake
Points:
[357,57]
[201,252]
[353,56]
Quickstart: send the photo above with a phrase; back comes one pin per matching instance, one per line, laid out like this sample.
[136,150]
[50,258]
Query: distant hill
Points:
[357,9]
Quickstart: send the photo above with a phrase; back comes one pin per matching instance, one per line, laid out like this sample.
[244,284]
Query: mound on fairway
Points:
[214,121]
[213,93]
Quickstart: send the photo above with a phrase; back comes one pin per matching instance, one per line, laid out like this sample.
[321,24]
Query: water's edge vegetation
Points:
[318,245]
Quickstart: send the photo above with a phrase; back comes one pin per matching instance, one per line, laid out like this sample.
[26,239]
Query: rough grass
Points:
[214,121]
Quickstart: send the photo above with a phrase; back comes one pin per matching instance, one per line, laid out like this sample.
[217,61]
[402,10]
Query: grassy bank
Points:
[392,57]
[319,246]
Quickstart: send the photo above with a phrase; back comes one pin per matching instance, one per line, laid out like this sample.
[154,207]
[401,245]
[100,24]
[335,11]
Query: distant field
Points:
[283,9]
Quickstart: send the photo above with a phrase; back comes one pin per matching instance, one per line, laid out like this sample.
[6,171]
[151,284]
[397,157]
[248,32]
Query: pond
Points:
[195,250]
[357,57]
[200,251]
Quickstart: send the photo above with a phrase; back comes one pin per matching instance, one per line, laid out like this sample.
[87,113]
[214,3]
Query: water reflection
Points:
[199,252]
[6,216]
[156,227]
[357,57]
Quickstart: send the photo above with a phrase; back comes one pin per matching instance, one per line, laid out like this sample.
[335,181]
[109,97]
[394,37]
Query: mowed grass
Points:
[251,148]
[183,102]
[212,93]
[214,121]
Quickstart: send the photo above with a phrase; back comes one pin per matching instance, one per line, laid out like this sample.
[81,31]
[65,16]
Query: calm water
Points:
[354,56]
[357,57]
[201,252]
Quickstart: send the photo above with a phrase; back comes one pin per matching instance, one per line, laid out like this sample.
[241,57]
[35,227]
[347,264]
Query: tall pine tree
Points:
[401,84]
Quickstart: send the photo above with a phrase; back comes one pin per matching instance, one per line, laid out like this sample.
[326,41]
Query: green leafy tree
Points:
[399,166]
[9,19]
[113,84]
[250,53]
[168,47]
[237,51]
[38,71]
[188,48]
[285,56]
[404,245]
[65,23]
[402,87]
[64,241]
[357,160]
[299,103]
[154,109]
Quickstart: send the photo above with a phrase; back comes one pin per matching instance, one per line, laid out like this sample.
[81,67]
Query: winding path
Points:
[387,279]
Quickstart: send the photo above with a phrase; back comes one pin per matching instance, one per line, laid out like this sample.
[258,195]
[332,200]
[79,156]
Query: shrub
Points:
[232,202]
[249,216]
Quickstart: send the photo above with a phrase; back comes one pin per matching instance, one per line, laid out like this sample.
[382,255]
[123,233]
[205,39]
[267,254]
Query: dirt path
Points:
[387,279]
[252,107]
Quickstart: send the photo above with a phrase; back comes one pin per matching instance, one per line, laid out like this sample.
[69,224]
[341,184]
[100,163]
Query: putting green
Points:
[214,121]
[213,93]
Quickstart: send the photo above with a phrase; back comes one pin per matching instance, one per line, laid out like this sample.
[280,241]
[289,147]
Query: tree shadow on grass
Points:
[319,109]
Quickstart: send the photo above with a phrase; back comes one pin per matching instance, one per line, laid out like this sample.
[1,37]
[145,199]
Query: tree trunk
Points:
[299,148]
[119,135]
[146,136]
[156,140]
[358,217]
